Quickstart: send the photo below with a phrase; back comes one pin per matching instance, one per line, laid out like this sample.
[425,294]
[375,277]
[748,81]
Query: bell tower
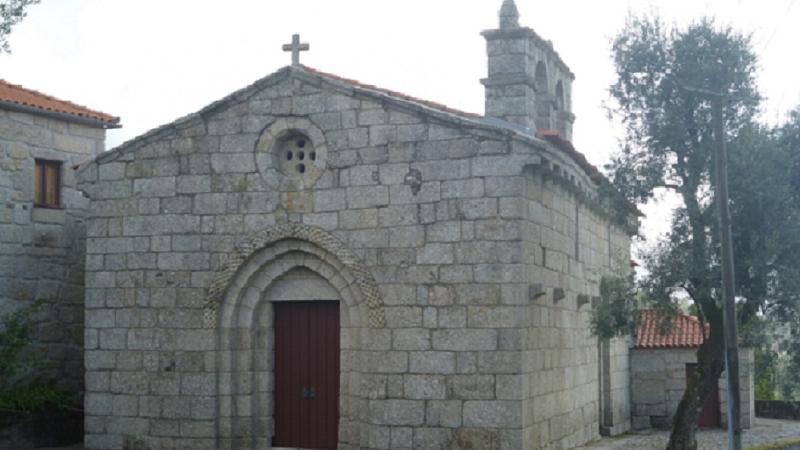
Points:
[528,83]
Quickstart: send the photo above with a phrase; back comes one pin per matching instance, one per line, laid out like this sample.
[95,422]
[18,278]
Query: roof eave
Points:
[344,86]
[81,120]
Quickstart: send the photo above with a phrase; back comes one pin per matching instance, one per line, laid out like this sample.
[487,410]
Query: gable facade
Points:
[463,253]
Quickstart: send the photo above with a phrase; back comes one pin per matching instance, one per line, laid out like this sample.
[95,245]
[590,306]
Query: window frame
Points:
[42,187]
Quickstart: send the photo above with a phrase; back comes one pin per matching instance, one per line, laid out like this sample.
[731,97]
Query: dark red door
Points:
[709,416]
[306,374]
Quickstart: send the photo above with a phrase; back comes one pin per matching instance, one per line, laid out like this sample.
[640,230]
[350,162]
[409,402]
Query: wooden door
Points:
[710,415]
[306,374]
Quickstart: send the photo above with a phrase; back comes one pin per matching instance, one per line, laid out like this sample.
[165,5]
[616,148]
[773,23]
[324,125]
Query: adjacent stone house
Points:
[660,364]
[312,262]
[42,139]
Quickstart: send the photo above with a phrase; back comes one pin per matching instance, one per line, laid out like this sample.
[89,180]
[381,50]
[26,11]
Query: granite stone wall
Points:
[42,250]
[567,247]
[615,397]
[429,226]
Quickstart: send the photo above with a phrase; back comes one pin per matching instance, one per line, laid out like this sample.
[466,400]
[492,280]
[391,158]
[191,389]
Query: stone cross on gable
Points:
[296,47]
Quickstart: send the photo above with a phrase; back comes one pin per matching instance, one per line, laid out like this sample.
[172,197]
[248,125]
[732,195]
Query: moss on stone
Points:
[782,445]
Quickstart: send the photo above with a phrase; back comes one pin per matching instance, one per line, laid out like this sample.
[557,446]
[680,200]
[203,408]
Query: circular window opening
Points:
[293,153]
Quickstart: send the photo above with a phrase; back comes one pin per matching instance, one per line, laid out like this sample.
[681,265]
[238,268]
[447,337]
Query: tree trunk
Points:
[710,364]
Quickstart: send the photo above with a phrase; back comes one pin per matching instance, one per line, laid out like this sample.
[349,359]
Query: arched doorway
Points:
[279,271]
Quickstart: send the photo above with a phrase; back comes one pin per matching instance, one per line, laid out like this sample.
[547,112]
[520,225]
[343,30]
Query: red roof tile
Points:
[13,93]
[685,331]
[555,138]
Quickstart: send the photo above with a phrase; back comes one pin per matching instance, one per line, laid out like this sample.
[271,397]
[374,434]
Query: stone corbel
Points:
[536,291]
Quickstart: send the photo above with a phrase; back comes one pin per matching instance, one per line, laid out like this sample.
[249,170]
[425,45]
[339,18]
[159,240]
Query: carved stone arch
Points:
[240,307]
[362,281]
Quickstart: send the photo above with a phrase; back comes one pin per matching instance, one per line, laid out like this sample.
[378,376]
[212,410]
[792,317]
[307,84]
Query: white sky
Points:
[152,61]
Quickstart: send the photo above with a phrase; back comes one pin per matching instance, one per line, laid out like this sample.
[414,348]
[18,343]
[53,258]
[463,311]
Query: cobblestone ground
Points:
[766,431]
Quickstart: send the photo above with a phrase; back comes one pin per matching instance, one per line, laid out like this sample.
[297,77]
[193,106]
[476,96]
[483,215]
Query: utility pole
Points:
[728,293]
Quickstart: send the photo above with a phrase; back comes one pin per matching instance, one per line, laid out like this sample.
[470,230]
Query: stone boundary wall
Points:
[776,409]
[42,250]
[658,380]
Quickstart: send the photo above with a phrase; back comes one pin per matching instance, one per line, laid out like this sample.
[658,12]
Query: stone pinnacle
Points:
[509,15]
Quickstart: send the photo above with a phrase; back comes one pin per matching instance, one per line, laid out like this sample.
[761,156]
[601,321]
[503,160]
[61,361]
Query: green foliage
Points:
[21,391]
[15,331]
[616,314]
[790,386]
[670,146]
[766,220]
[668,127]
[765,206]
[775,358]
[11,13]
[621,209]
[782,445]
[766,374]
[29,399]
[789,136]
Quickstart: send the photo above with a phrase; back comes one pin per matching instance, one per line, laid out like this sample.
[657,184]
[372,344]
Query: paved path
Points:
[766,431]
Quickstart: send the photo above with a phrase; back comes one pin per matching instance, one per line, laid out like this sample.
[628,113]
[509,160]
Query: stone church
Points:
[312,262]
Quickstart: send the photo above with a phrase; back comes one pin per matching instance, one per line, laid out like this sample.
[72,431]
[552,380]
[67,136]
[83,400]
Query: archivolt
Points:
[363,280]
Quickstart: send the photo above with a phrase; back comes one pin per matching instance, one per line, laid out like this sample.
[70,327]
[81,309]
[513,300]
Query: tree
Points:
[787,274]
[669,145]
[11,13]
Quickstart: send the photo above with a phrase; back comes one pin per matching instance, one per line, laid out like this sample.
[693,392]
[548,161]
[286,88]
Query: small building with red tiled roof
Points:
[42,219]
[664,353]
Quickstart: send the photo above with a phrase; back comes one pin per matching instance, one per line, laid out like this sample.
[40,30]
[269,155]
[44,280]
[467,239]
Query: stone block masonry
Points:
[42,250]
[442,347]
[658,380]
